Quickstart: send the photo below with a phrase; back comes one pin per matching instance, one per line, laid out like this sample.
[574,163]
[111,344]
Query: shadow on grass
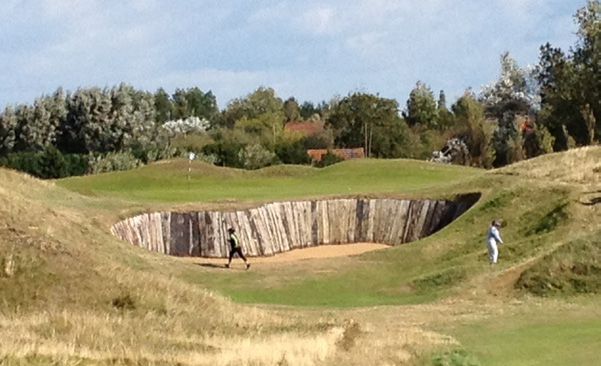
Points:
[211,265]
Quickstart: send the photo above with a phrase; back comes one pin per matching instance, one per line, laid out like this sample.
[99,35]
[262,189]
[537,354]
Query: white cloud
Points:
[312,49]
[319,20]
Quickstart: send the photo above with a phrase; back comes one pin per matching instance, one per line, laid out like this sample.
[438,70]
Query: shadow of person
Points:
[211,265]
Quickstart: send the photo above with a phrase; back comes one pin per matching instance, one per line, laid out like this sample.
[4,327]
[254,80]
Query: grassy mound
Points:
[70,293]
[574,268]
[574,166]
[170,182]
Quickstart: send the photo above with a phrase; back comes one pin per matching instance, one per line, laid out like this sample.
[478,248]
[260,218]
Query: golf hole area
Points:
[280,227]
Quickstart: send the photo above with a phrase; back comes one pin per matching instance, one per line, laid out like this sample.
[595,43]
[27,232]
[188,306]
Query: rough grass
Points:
[73,294]
[573,268]
[580,166]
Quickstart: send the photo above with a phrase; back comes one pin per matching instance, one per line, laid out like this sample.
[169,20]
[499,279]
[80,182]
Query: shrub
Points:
[77,164]
[328,159]
[47,164]
[225,153]
[293,153]
[25,161]
[255,156]
[114,161]
[52,164]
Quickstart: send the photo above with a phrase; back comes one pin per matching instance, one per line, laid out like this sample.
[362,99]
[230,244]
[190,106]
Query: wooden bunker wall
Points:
[282,226]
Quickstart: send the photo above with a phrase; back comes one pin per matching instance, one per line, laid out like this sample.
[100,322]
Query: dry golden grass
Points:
[87,299]
[117,305]
[101,338]
[582,166]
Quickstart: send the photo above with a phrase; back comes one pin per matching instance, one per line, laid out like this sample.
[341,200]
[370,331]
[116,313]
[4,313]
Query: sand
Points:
[322,251]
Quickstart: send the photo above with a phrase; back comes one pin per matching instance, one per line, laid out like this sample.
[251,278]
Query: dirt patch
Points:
[322,251]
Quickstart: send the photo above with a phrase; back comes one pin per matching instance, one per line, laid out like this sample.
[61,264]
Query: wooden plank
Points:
[282,226]
[403,217]
[269,243]
[314,224]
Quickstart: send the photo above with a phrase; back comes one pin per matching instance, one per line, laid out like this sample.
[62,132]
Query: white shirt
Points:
[493,233]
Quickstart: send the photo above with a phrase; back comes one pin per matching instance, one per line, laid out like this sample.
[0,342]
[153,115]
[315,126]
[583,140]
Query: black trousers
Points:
[239,251]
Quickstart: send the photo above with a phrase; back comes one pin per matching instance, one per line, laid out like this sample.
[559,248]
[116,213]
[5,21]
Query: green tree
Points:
[163,106]
[307,110]
[52,164]
[587,60]
[474,130]
[194,103]
[8,124]
[571,84]
[446,119]
[370,121]
[421,107]
[291,110]
[559,98]
[515,93]
[262,101]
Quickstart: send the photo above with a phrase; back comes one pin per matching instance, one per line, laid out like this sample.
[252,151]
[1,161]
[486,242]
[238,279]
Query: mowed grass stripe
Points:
[547,338]
[168,182]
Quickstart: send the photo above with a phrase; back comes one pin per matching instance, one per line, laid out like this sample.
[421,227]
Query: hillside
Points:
[72,293]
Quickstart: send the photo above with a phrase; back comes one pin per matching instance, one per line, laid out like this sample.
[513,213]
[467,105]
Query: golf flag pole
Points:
[191,156]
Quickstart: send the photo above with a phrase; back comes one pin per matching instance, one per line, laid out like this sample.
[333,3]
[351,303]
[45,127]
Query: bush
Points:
[47,164]
[225,153]
[77,164]
[328,159]
[25,161]
[293,153]
[52,164]
[256,156]
[114,161]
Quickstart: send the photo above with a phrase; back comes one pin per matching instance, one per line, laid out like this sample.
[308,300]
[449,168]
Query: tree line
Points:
[528,111]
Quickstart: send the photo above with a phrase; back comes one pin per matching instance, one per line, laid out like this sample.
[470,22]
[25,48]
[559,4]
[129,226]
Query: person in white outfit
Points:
[492,238]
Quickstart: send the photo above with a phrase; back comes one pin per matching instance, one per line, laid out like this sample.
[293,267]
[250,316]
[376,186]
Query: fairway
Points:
[169,181]
[416,303]
[562,335]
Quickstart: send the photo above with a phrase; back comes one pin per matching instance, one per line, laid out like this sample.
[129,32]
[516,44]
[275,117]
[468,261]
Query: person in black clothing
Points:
[236,248]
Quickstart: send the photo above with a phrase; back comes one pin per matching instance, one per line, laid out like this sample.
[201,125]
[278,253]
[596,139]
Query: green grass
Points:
[574,268]
[168,182]
[66,259]
[545,338]
[417,272]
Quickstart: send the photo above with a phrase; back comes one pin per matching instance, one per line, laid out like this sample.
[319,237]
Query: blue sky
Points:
[312,50]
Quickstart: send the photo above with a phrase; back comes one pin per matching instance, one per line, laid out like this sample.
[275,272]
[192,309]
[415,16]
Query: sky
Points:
[310,50]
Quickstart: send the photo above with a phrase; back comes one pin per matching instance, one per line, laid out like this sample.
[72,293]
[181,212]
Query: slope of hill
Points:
[73,294]
[580,166]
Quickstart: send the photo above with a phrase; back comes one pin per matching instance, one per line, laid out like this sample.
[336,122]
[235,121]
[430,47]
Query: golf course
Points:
[72,293]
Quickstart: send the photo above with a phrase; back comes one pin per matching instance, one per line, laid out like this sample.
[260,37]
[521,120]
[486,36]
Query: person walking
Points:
[492,238]
[235,248]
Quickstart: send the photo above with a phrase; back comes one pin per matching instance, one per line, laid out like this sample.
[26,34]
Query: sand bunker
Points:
[280,227]
[322,251]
